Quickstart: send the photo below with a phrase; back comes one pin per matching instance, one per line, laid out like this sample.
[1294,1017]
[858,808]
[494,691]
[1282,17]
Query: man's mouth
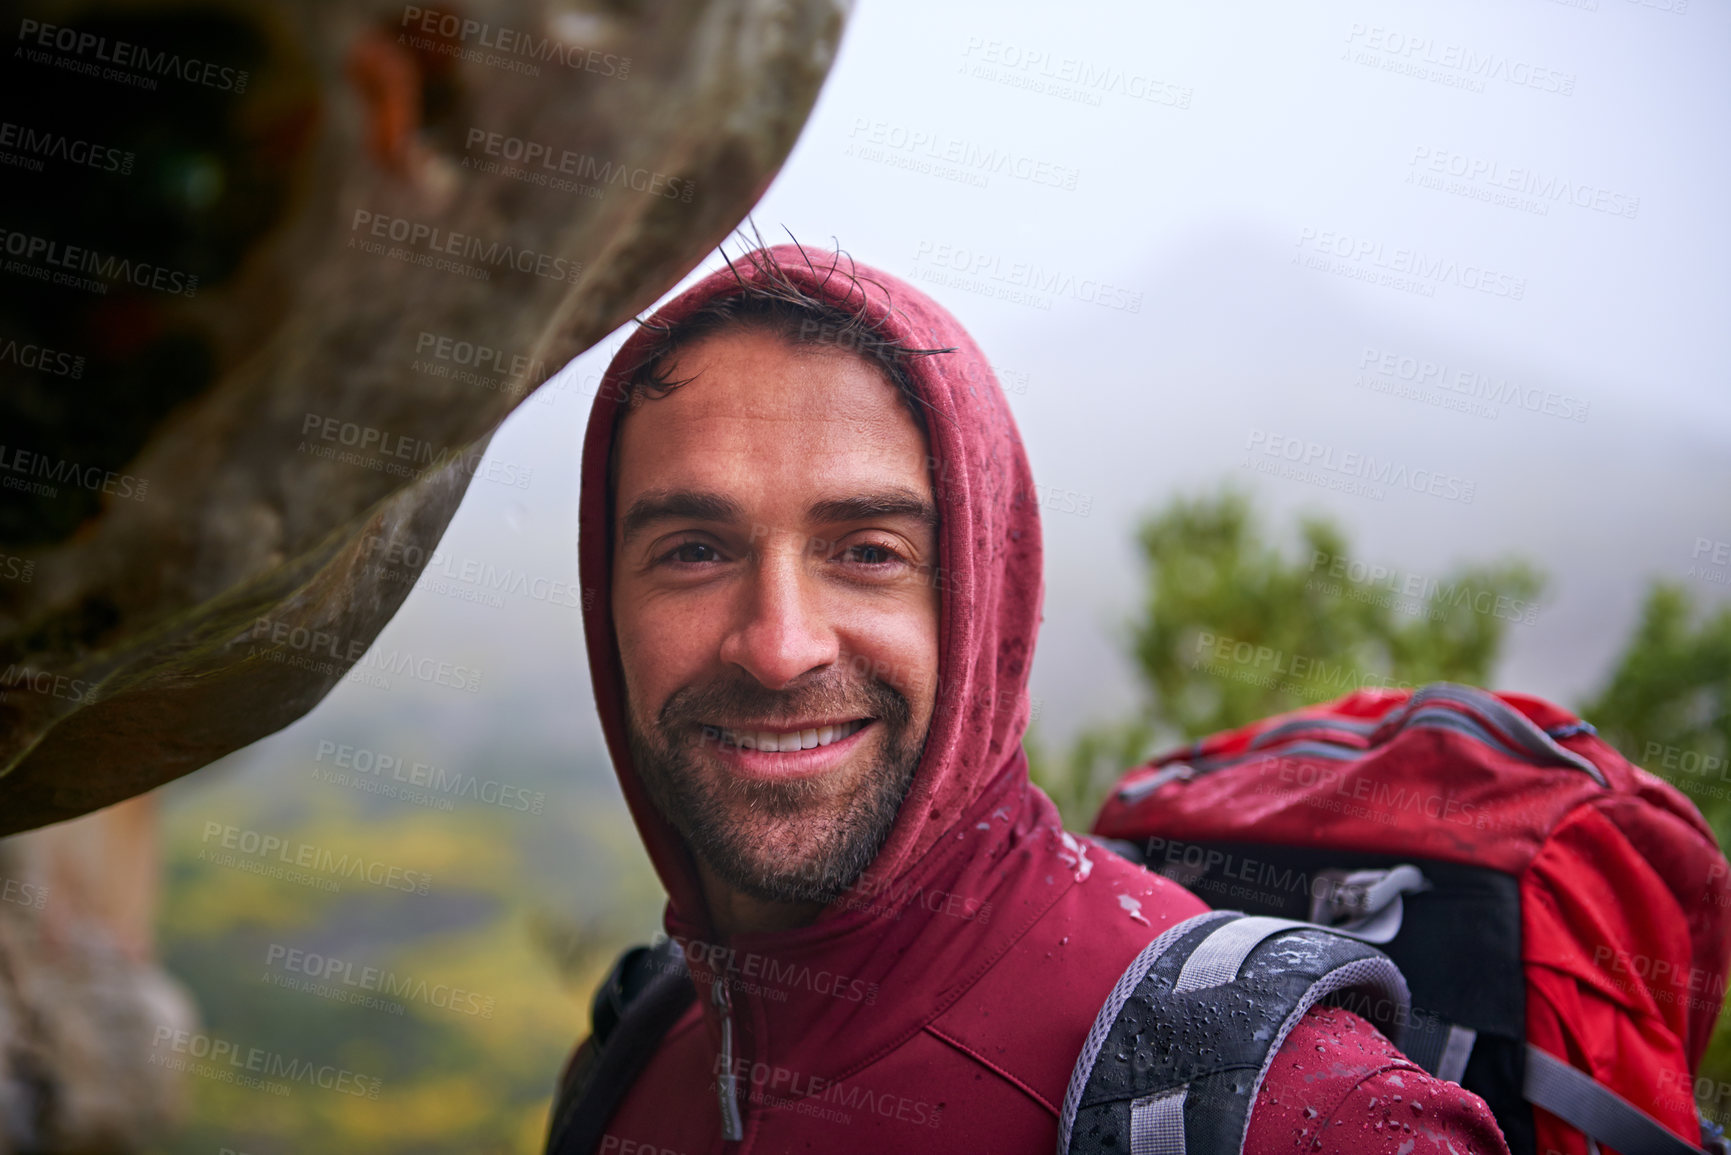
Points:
[787,741]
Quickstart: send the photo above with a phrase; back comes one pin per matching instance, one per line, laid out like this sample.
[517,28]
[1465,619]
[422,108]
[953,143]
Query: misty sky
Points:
[1193,235]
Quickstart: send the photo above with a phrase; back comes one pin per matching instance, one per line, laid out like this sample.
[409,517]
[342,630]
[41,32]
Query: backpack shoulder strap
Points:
[642,997]
[1178,1052]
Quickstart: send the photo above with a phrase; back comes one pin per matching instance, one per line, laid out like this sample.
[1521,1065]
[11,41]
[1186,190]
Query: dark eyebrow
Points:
[890,503]
[671,504]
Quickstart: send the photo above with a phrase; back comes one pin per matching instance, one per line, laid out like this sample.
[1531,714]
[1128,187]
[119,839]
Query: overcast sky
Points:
[1192,234]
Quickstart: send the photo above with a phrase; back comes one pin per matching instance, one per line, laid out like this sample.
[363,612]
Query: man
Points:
[813,539]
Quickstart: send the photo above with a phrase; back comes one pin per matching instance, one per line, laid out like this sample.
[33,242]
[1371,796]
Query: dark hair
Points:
[773,302]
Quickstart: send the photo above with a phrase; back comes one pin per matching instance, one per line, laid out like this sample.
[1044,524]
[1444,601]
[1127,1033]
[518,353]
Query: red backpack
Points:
[1560,915]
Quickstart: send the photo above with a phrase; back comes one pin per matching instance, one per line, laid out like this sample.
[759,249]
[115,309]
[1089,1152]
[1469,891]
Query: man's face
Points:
[774,549]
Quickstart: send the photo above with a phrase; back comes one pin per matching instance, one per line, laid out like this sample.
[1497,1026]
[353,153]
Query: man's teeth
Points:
[778,741]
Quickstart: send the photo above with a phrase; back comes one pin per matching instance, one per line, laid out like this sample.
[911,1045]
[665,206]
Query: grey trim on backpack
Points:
[1179,1051]
[1583,1102]
[1516,726]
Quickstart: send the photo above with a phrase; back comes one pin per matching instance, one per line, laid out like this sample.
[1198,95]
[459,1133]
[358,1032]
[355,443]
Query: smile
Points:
[787,741]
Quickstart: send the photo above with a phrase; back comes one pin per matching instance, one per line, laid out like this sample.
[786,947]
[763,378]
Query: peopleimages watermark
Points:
[399,454]
[1410,593]
[1459,387]
[307,647]
[377,771]
[894,898]
[1018,282]
[41,359]
[222,1059]
[1448,64]
[1667,980]
[473,363]
[1680,1090]
[16,569]
[1347,471]
[934,153]
[765,976]
[43,682]
[612,1144]
[1673,7]
[1270,668]
[1692,762]
[30,894]
[466,579]
[547,165]
[771,1085]
[439,248]
[42,475]
[1231,875]
[269,852]
[368,987]
[436,30]
[88,54]
[29,148]
[855,339]
[55,262]
[1511,186]
[1710,561]
[1404,270]
[1064,77]
[1358,793]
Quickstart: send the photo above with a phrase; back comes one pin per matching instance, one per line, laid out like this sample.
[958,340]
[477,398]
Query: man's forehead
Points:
[751,405]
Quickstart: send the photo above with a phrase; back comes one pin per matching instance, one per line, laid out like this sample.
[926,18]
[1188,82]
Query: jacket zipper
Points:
[727,1086]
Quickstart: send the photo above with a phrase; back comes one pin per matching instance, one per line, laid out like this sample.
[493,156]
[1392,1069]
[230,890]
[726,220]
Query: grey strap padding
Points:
[1110,1009]
[1178,1054]
[1157,1123]
[1215,963]
[1455,1053]
[1578,1099]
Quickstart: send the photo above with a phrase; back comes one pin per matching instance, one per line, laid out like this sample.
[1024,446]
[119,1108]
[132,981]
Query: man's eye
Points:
[691,553]
[872,554]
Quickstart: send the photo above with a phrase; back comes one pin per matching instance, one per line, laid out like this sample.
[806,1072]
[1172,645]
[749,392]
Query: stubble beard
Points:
[740,828]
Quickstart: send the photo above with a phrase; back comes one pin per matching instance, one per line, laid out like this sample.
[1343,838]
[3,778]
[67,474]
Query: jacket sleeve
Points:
[1337,1085]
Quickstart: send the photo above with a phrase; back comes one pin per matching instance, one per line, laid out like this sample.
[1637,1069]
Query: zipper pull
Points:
[727,1087]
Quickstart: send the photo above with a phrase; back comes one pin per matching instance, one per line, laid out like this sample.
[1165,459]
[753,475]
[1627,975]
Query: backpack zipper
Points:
[1479,716]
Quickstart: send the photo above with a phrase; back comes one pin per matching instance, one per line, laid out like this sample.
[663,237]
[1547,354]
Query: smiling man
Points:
[775,541]
[810,549]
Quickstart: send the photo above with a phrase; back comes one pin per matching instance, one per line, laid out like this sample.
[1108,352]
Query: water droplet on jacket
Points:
[1310,1112]
[1417,1107]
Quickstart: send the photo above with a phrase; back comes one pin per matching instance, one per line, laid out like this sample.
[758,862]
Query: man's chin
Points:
[782,837]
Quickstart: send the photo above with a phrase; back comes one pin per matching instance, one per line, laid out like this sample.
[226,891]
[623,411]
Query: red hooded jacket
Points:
[941,1003]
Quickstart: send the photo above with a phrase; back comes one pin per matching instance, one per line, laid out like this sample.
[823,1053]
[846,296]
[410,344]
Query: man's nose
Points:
[781,632]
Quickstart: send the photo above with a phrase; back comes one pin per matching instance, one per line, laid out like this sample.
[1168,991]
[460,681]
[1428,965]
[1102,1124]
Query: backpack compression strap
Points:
[634,1008]
[1178,1052]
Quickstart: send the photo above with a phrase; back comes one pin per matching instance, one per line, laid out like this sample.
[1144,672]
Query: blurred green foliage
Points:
[1319,624]
[1667,704]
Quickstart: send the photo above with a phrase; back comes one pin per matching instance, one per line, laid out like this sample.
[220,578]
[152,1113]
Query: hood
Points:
[988,547]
